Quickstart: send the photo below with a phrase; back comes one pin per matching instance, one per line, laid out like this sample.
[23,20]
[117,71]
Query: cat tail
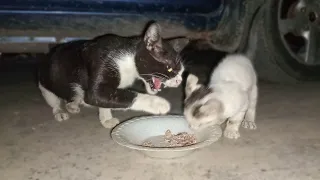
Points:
[252,43]
[251,47]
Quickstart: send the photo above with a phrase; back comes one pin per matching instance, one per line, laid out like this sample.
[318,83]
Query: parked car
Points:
[285,33]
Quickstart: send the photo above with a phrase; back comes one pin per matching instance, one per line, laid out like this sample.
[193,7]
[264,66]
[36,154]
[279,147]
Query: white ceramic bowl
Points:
[134,132]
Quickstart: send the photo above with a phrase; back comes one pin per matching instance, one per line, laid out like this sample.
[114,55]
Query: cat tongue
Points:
[156,83]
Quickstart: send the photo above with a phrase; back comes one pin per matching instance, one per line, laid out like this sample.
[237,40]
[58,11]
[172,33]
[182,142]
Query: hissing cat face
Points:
[201,109]
[158,60]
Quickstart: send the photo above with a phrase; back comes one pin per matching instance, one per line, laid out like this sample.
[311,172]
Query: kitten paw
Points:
[62,116]
[249,125]
[73,108]
[110,123]
[231,134]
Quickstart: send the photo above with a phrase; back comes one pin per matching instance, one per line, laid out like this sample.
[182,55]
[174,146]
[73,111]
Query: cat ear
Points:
[152,37]
[179,44]
[212,106]
[192,84]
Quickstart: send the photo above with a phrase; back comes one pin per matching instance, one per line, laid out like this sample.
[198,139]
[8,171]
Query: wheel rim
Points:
[299,27]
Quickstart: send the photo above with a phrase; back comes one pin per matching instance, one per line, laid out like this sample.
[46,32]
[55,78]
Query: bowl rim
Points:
[215,134]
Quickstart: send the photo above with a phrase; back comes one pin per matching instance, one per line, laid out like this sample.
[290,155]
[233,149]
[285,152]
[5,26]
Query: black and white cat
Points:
[97,72]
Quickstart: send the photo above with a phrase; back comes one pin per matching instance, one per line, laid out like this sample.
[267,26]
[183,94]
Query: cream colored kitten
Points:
[231,95]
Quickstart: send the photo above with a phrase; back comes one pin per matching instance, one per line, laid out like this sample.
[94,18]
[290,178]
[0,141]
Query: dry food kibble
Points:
[147,144]
[168,134]
[180,139]
[175,140]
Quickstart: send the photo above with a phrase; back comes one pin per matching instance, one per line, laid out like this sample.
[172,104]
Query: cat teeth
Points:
[164,85]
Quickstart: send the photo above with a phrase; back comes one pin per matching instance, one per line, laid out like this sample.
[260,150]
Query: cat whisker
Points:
[161,79]
[157,76]
[148,74]
[162,75]
[150,79]
[178,59]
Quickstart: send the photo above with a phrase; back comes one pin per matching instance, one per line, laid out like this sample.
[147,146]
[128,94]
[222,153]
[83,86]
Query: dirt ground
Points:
[33,146]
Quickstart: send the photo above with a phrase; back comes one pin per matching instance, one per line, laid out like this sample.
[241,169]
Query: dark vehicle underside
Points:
[25,24]
[277,27]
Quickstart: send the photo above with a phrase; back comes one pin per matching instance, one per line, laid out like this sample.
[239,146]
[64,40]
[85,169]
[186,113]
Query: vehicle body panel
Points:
[28,25]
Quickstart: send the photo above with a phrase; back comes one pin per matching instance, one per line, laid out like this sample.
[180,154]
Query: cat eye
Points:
[169,69]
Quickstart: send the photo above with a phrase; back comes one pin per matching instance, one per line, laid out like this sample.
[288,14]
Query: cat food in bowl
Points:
[181,139]
[163,136]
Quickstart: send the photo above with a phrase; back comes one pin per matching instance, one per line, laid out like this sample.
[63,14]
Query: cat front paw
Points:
[110,123]
[61,116]
[231,134]
[159,106]
[151,104]
[73,108]
[249,125]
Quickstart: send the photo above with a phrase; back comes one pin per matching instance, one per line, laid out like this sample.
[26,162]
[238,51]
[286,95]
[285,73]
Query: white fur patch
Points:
[301,4]
[106,118]
[151,104]
[231,133]
[54,102]
[306,35]
[236,69]
[176,81]
[232,81]
[79,95]
[127,69]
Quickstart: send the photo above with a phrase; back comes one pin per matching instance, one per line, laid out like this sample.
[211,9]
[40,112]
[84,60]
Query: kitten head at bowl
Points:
[201,108]
[158,60]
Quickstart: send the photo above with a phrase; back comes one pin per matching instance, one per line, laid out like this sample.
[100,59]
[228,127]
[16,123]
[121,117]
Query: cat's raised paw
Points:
[73,108]
[231,134]
[62,116]
[151,104]
[159,106]
[110,123]
[249,125]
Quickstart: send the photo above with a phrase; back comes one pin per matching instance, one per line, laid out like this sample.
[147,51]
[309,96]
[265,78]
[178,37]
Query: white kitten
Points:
[231,95]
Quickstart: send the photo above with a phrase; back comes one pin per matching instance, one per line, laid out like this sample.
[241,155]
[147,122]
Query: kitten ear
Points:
[192,84]
[179,43]
[152,37]
[212,106]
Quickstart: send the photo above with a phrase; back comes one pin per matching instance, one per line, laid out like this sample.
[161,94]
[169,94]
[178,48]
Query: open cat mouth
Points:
[156,84]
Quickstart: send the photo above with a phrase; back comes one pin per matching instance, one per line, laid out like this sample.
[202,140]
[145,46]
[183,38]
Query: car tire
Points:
[272,60]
